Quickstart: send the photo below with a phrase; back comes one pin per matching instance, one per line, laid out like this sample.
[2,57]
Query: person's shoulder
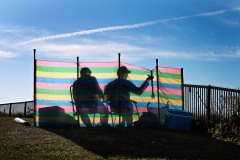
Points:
[76,81]
[125,81]
[92,77]
[112,83]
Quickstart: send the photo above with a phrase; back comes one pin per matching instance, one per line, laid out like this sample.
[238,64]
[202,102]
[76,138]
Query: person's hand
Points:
[150,78]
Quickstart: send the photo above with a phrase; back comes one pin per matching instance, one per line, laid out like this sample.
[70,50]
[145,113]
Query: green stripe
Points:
[169,75]
[114,70]
[53,91]
[87,92]
[103,70]
[93,70]
[57,69]
[67,92]
[171,96]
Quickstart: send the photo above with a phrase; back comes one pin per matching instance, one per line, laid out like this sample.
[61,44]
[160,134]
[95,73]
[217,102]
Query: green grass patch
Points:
[22,142]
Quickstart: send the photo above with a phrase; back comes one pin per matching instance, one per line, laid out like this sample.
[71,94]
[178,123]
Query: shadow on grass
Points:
[147,143]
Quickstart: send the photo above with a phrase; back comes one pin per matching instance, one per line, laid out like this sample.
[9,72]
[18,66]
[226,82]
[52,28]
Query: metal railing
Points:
[22,109]
[211,104]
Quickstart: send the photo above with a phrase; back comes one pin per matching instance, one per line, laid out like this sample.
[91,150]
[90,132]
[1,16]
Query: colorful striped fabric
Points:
[55,103]
[170,86]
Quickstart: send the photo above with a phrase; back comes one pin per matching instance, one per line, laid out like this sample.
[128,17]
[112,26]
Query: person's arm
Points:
[138,90]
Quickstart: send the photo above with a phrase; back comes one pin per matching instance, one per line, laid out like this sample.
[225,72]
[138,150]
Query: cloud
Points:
[113,28]
[6,54]
[90,50]
[231,22]
[108,51]
[86,50]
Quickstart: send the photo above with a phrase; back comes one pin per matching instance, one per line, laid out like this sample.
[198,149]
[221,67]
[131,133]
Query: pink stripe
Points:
[53,85]
[152,110]
[170,70]
[134,67]
[110,64]
[59,86]
[102,86]
[171,91]
[87,64]
[99,64]
[53,63]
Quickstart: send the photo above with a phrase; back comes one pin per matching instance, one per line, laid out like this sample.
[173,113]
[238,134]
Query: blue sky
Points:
[200,36]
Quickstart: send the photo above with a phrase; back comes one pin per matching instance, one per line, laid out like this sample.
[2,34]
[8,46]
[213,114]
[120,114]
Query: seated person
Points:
[87,96]
[119,100]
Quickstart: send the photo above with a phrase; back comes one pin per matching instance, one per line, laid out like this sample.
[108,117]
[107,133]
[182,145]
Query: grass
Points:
[22,142]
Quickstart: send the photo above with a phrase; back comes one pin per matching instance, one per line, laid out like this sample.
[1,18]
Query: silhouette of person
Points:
[87,95]
[119,98]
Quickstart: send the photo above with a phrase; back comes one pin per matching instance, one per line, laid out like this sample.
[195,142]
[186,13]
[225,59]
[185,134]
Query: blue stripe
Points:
[53,103]
[72,80]
[56,80]
[172,86]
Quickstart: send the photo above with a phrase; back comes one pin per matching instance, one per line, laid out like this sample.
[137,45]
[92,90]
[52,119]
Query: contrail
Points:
[113,28]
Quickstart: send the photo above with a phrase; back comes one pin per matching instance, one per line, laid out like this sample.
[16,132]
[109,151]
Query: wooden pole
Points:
[182,88]
[118,89]
[34,87]
[159,119]
[78,119]
[77,67]
[153,95]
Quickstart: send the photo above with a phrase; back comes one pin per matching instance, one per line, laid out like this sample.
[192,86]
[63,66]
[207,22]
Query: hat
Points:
[85,71]
[123,69]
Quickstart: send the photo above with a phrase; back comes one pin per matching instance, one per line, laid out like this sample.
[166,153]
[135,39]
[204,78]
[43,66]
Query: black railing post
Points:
[208,105]
[10,110]
[25,109]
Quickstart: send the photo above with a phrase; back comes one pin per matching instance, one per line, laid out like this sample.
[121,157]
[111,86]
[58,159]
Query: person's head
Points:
[123,72]
[85,71]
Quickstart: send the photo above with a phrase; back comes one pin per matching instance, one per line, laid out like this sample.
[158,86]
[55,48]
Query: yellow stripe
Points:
[137,77]
[170,80]
[53,97]
[135,98]
[104,75]
[173,102]
[68,98]
[56,75]
[97,75]
[73,75]
[143,99]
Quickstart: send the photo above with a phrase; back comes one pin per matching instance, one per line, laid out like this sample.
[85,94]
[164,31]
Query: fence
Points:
[22,109]
[209,104]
